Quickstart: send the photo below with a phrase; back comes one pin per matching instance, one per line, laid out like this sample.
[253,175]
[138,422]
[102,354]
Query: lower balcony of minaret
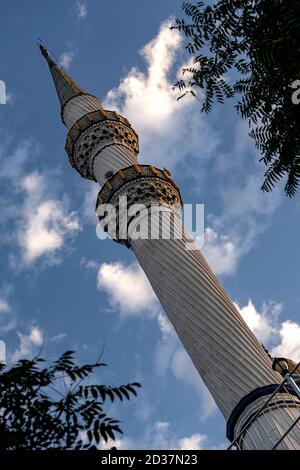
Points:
[131,195]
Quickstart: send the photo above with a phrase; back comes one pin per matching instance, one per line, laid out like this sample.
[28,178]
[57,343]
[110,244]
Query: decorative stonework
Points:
[149,181]
[92,133]
[141,184]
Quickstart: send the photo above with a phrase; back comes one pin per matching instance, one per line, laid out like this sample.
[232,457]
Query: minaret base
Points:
[261,419]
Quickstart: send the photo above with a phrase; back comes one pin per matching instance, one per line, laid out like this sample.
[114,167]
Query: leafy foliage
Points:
[51,408]
[258,42]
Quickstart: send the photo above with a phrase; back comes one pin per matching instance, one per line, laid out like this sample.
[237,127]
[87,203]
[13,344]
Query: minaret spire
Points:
[99,142]
[65,86]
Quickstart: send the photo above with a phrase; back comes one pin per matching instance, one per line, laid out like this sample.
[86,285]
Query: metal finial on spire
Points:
[45,53]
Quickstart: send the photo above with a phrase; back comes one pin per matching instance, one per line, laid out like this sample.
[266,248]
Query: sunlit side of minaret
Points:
[102,146]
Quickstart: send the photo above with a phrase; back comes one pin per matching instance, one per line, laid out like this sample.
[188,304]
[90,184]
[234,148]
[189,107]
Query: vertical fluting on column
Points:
[275,424]
[227,355]
[111,159]
[77,107]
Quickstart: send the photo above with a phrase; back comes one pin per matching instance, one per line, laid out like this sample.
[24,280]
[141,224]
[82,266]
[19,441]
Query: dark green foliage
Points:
[50,407]
[258,43]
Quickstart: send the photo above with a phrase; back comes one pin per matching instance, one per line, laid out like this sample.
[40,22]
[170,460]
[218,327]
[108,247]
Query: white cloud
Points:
[66,58]
[4,306]
[12,163]
[221,252]
[7,317]
[150,92]
[166,346]
[282,338]
[290,341]
[81,9]
[28,344]
[127,287]
[41,222]
[262,323]
[193,442]
[170,131]
[59,337]
[89,264]
[226,242]
[165,325]
[159,436]
[46,223]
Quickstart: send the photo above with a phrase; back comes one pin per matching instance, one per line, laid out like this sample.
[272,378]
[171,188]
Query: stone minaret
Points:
[103,147]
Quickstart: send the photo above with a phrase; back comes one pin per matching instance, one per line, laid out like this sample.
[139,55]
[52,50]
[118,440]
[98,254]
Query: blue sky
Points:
[59,284]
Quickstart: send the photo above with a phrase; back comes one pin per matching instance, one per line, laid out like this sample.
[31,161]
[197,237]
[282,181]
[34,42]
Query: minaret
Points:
[102,146]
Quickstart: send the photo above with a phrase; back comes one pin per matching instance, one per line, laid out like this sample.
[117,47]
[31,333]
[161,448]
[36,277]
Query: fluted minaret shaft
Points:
[225,352]
[133,206]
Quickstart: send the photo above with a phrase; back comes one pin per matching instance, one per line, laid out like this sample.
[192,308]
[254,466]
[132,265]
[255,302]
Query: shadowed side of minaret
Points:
[102,146]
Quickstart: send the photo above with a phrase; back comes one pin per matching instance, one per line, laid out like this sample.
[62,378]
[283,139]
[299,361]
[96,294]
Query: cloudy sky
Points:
[60,286]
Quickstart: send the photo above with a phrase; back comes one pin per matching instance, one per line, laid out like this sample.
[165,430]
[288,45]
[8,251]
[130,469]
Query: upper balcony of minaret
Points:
[99,142]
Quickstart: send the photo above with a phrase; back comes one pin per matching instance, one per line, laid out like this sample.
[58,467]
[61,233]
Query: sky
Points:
[60,286]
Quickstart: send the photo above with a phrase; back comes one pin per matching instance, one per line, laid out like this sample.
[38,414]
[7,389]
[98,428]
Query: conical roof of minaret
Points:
[65,86]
